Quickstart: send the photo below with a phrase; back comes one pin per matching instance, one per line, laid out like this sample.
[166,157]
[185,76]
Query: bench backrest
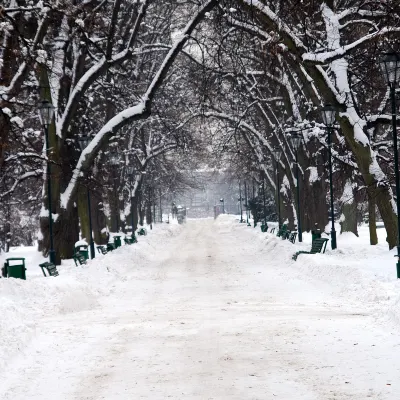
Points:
[318,245]
[282,230]
[51,268]
[81,258]
[110,247]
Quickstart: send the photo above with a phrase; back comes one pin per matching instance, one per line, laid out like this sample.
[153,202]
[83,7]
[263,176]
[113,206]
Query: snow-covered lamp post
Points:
[277,154]
[390,66]
[222,201]
[329,116]
[114,161]
[296,138]
[240,202]
[83,143]
[46,113]
[246,199]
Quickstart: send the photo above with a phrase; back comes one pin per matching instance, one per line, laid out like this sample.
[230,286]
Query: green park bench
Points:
[102,249]
[79,258]
[111,247]
[318,246]
[83,249]
[282,231]
[50,267]
[142,232]
[292,237]
[130,240]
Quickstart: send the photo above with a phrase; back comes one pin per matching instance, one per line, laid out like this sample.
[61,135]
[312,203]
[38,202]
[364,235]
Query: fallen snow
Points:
[210,310]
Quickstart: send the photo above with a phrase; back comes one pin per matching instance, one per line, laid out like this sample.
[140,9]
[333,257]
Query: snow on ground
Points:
[210,310]
[24,303]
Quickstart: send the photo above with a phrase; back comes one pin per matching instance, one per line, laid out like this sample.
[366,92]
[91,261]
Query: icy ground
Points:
[211,310]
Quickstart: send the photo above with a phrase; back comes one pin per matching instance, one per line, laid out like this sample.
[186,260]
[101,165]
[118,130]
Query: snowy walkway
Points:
[211,320]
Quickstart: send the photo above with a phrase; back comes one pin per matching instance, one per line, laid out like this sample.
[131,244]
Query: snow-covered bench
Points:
[79,258]
[110,246]
[130,240]
[50,267]
[292,237]
[318,246]
[282,231]
[102,249]
[142,232]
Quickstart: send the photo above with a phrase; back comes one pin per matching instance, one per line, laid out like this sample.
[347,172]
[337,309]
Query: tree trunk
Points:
[99,220]
[373,237]
[135,204]
[83,213]
[141,209]
[348,220]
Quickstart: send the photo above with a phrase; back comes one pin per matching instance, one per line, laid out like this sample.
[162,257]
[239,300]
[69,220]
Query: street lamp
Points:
[278,154]
[222,201]
[296,138]
[246,199]
[390,66]
[114,161]
[83,143]
[46,113]
[329,117]
[240,202]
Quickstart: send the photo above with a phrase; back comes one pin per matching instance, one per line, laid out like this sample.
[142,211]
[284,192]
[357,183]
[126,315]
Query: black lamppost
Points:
[83,143]
[240,202]
[114,161]
[222,201]
[296,138]
[246,200]
[329,117]
[46,113]
[277,155]
[390,66]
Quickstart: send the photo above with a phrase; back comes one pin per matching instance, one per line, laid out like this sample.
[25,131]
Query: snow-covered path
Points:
[212,319]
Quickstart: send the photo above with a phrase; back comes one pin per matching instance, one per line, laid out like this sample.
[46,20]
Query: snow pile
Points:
[364,275]
[24,303]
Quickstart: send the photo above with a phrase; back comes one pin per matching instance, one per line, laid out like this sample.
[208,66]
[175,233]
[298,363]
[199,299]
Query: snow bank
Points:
[24,303]
[361,274]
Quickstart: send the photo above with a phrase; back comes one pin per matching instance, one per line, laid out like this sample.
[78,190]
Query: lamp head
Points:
[83,142]
[114,159]
[296,138]
[46,112]
[328,113]
[390,67]
[277,151]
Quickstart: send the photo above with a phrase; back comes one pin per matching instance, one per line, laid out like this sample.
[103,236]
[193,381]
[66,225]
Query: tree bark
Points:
[99,220]
[373,237]
[348,220]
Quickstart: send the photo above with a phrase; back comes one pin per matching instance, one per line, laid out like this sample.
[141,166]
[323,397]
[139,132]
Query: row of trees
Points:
[165,85]
[274,66]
